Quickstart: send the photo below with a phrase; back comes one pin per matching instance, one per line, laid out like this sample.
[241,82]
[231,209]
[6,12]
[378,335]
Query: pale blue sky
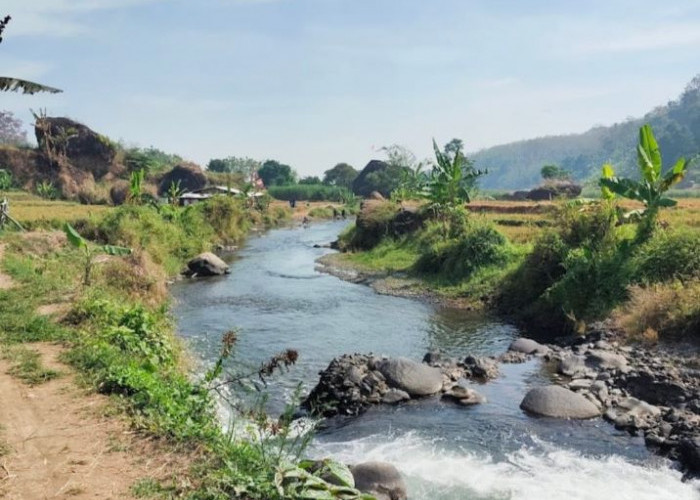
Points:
[315,82]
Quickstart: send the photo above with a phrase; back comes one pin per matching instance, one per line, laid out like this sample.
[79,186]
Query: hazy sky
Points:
[315,82]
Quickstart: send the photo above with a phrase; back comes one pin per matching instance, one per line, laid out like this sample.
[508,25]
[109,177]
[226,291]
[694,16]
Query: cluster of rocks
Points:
[354,382]
[644,392]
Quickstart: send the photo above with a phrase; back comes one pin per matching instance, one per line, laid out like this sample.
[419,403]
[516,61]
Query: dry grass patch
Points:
[665,310]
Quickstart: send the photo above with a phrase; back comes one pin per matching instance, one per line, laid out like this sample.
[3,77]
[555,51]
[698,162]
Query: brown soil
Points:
[60,443]
[5,281]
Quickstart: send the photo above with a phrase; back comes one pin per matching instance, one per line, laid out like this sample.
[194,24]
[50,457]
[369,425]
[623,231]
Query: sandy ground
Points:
[62,445]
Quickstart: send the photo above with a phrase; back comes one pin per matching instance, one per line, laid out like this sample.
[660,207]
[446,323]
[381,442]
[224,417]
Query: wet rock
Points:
[432,358]
[689,451]
[417,379]
[464,396]
[206,264]
[481,368]
[513,357]
[605,360]
[380,479]
[654,390]
[528,346]
[559,402]
[393,396]
[574,366]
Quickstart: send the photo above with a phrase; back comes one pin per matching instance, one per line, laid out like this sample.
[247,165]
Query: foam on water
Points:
[544,472]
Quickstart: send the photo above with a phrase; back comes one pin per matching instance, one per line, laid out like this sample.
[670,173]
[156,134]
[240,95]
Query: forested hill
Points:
[676,126]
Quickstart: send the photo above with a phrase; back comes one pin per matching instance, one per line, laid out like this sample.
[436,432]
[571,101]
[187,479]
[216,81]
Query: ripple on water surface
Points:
[492,451]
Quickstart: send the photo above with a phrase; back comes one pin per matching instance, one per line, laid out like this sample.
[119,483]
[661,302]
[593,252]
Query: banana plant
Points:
[89,251]
[136,186]
[651,188]
[452,179]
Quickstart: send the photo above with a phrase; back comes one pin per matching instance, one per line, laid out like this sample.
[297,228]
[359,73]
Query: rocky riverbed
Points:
[645,391]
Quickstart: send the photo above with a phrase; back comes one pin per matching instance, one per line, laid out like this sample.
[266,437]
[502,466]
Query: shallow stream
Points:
[277,299]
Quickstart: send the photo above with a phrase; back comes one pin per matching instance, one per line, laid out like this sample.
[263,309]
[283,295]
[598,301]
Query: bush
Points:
[478,245]
[668,256]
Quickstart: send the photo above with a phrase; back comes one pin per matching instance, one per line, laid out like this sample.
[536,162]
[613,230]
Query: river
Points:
[276,299]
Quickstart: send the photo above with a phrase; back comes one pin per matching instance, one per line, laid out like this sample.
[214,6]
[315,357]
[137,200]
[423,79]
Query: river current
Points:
[277,299]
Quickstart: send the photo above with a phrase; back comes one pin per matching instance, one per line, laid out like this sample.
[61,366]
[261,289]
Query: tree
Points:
[274,173]
[10,84]
[310,179]
[651,188]
[341,175]
[452,179]
[234,165]
[11,131]
[552,172]
[453,147]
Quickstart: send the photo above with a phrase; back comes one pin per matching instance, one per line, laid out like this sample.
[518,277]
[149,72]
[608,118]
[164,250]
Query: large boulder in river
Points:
[556,401]
[417,379]
[380,479]
[206,264]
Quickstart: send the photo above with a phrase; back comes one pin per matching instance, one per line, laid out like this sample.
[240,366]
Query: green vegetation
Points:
[119,338]
[5,179]
[311,192]
[575,263]
[554,172]
[47,190]
[341,175]
[150,160]
[26,365]
[274,173]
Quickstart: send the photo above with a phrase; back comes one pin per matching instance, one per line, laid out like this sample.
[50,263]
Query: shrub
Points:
[479,245]
[661,311]
[669,255]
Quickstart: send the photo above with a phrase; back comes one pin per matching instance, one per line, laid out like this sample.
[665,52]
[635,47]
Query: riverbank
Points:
[113,335]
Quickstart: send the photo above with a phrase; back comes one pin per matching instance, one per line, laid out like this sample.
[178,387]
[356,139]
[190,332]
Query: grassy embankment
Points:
[118,334]
[554,265]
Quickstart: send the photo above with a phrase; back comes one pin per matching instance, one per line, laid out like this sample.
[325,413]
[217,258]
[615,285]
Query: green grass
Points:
[26,365]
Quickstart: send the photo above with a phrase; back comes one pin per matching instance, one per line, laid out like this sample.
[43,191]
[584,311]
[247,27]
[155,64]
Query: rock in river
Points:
[380,479]
[556,401]
[417,379]
[528,346]
[206,264]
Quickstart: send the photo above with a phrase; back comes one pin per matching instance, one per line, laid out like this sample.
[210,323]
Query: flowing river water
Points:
[277,299]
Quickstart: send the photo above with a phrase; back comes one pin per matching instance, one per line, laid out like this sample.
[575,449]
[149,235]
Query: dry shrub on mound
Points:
[662,310]
[138,276]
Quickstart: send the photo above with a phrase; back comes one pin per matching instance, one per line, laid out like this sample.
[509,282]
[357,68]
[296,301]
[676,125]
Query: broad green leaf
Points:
[340,472]
[115,250]
[73,237]
[608,173]
[627,188]
[10,84]
[666,202]
[675,175]
[649,155]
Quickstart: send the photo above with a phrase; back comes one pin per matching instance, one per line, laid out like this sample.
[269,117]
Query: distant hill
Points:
[676,126]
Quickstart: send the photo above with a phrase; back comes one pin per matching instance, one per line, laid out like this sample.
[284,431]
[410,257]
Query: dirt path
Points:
[5,281]
[61,445]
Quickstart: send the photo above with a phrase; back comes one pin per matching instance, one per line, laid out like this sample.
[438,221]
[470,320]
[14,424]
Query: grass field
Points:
[36,212]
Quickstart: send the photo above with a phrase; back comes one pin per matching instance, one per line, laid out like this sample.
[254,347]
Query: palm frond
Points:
[9,84]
